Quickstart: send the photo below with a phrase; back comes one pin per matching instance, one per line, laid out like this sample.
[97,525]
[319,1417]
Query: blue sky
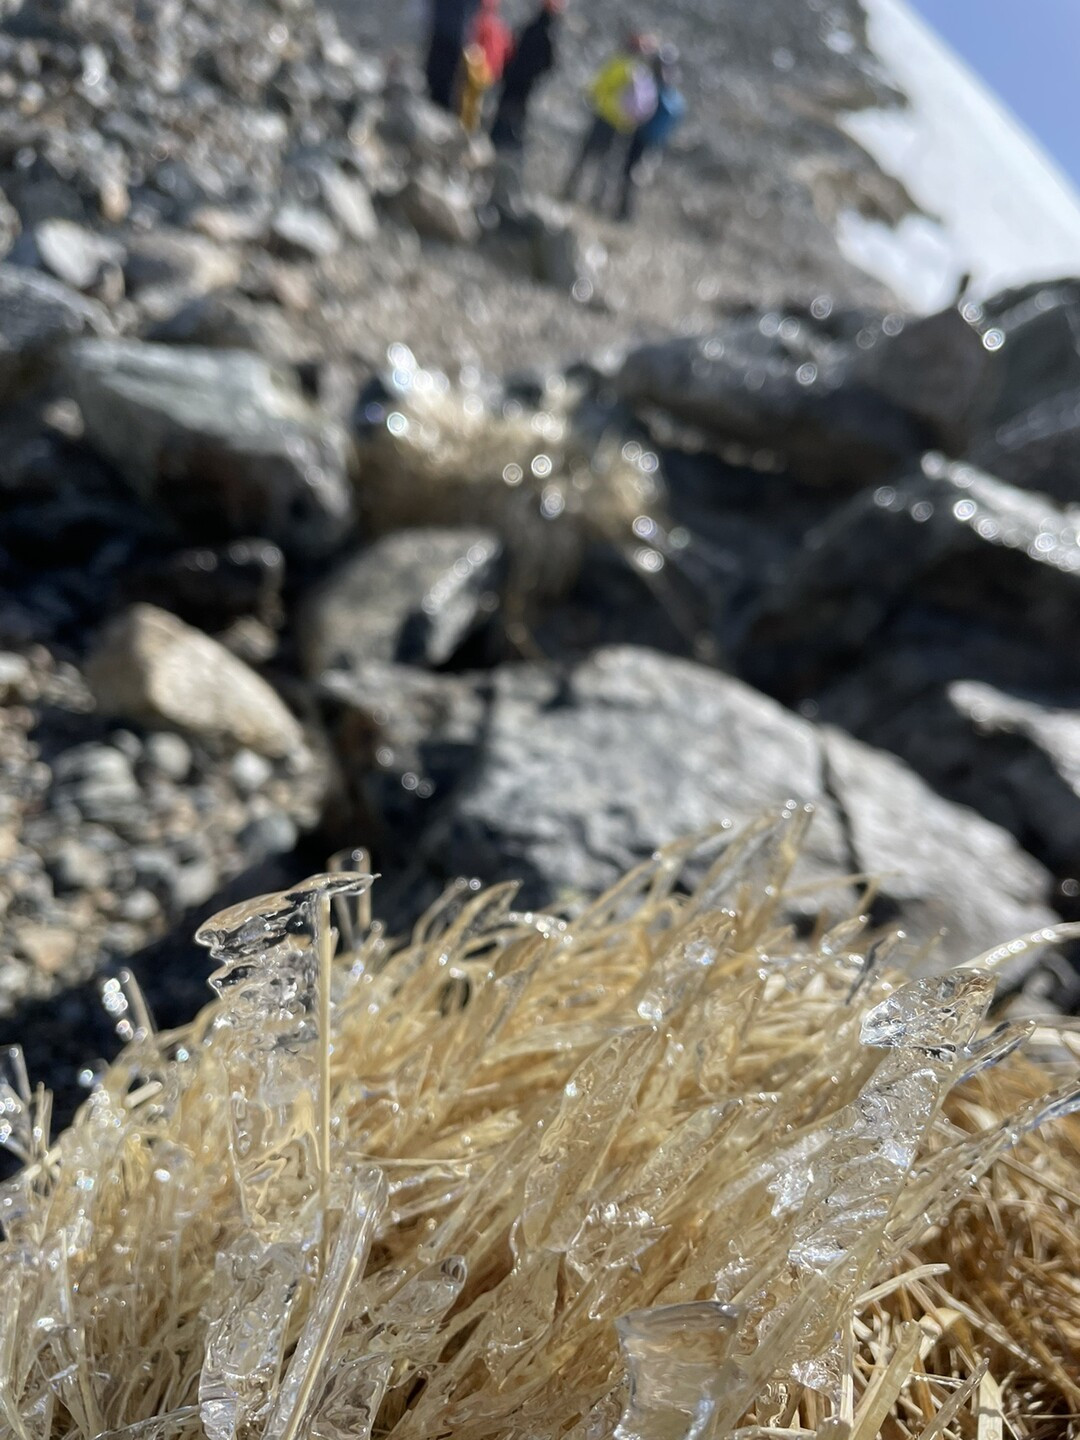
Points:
[1028,52]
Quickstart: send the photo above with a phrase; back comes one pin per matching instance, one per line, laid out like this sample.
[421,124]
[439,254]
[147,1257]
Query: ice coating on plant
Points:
[660,1169]
[245,1339]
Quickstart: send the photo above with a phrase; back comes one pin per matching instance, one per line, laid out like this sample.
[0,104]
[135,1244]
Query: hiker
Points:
[450,22]
[534,55]
[651,137]
[622,96]
[486,53]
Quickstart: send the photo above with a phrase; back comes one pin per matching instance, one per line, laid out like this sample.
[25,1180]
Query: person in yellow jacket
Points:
[622,97]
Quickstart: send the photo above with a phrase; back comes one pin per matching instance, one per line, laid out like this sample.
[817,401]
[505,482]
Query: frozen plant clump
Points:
[662,1170]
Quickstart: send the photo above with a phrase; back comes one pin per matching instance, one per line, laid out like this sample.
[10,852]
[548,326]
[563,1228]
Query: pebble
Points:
[168,753]
[274,834]
[75,866]
[47,947]
[249,772]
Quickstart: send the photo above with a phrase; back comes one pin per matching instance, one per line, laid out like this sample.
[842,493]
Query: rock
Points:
[152,668]
[47,947]
[169,754]
[427,133]
[298,231]
[579,777]
[15,676]
[99,781]
[10,225]
[74,254]
[439,208]
[1011,757]
[1029,430]
[249,771]
[558,257]
[219,440]
[77,866]
[213,586]
[39,315]
[273,834]
[936,369]
[948,537]
[944,867]
[413,596]
[405,739]
[227,321]
[782,385]
[348,201]
[164,268]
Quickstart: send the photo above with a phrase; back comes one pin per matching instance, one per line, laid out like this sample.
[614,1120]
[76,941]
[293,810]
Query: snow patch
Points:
[995,206]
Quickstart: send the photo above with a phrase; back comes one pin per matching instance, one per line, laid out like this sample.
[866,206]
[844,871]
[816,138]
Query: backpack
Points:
[639,97]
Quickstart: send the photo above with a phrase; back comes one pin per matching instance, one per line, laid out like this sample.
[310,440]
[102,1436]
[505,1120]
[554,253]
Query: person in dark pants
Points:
[654,134]
[622,97]
[450,22]
[534,55]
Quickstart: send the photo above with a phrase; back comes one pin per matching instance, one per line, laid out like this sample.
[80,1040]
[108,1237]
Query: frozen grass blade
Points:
[665,1170]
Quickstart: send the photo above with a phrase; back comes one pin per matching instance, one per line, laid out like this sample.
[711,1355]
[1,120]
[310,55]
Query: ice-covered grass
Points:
[663,1170]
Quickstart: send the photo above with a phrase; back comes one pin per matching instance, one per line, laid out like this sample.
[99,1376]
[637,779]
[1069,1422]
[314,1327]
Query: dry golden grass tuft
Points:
[662,1171]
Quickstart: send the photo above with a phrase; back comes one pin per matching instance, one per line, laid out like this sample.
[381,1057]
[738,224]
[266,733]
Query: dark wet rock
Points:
[301,231]
[581,774]
[947,537]
[220,441]
[1029,423]
[784,385]
[151,667]
[38,316]
[1013,757]
[405,739]
[76,255]
[212,586]
[936,369]
[414,596]
[439,207]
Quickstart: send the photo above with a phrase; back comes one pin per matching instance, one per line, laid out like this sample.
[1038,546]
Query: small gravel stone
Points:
[272,834]
[140,907]
[15,675]
[249,772]
[168,753]
[75,866]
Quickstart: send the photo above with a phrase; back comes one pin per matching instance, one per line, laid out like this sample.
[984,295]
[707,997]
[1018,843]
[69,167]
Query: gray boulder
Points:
[1029,423]
[580,776]
[39,315]
[219,440]
[780,384]
[1013,758]
[947,537]
[413,596]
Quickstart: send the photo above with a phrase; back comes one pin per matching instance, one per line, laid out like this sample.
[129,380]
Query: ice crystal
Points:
[664,1170]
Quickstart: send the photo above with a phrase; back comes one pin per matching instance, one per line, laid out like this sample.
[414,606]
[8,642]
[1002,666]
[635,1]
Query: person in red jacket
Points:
[490,45]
